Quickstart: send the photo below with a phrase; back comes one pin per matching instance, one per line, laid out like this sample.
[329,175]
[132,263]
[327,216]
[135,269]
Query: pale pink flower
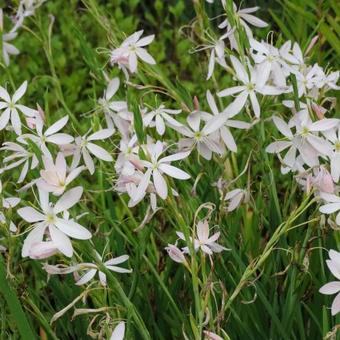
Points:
[251,85]
[19,156]
[156,168]
[245,18]
[115,110]
[55,177]
[90,269]
[109,264]
[205,138]
[47,220]
[175,253]
[333,287]
[85,147]
[10,106]
[128,159]
[224,130]
[235,198]
[161,117]
[50,135]
[207,244]
[132,48]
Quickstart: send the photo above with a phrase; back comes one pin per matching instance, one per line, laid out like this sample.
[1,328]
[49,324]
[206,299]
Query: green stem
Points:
[14,305]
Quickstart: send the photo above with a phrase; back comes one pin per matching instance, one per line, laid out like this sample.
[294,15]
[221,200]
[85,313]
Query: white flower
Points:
[128,159]
[244,18]
[85,147]
[224,131]
[333,287]
[119,332]
[156,168]
[19,156]
[206,138]
[251,85]
[269,62]
[115,110]
[10,108]
[131,48]
[305,140]
[59,228]
[51,135]
[54,178]
[207,244]
[235,198]
[109,264]
[159,116]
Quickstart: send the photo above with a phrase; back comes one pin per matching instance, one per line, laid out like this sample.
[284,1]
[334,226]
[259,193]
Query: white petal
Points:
[68,200]
[4,118]
[335,167]
[119,332]
[15,120]
[283,127]
[173,171]
[19,92]
[239,69]
[336,305]
[160,126]
[61,241]
[228,139]
[160,184]
[88,161]
[99,152]
[255,104]
[73,229]
[86,277]
[57,126]
[237,105]
[230,91]
[101,134]
[330,288]
[145,56]
[4,95]
[112,88]
[60,139]
[175,157]
[35,236]
[212,103]
[329,208]
[145,41]
[117,260]
[30,214]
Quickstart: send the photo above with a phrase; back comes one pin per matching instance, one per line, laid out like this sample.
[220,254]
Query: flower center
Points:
[337,145]
[50,218]
[305,131]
